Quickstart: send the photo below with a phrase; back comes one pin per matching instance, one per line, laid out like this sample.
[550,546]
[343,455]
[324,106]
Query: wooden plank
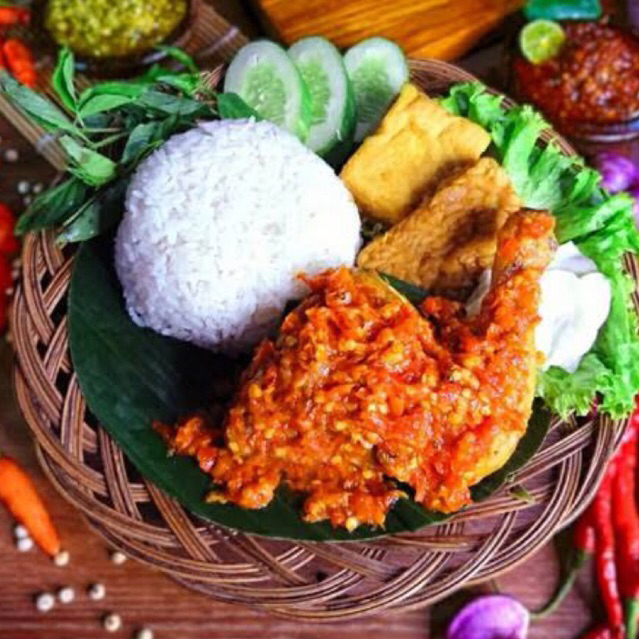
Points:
[425,28]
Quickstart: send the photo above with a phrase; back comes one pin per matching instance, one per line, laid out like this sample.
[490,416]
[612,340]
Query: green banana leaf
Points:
[131,376]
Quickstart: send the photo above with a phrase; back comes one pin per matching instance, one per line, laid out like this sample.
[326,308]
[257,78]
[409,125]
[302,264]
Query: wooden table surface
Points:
[143,597]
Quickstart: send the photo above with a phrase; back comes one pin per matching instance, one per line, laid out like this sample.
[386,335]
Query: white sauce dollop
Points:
[575,302]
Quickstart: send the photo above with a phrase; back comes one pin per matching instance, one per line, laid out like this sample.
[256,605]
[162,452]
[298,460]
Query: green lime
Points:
[540,40]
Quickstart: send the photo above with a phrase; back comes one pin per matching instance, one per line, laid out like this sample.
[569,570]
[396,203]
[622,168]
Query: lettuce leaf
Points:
[567,392]
[602,226]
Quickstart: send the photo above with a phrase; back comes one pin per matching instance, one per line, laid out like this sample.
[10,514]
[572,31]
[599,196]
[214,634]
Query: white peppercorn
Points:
[62,558]
[118,558]
[96,592]
[112,622]
[20,532]
[66,595]
[25,544]
[45,602]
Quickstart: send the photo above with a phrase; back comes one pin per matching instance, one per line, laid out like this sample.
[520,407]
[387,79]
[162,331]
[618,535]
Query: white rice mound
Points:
[218,223]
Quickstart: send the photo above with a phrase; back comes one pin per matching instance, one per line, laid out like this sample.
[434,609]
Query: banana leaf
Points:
[131,376]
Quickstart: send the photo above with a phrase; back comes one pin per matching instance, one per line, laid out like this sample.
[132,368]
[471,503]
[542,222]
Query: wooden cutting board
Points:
[443,29]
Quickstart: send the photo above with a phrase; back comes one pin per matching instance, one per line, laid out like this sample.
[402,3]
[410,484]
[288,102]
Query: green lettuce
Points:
[600,224]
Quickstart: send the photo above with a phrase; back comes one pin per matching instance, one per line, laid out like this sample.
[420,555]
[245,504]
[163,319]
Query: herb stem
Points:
[111,129]
[112,138]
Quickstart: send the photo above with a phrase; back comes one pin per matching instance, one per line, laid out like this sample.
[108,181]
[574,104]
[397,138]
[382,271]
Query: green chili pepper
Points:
[563,10]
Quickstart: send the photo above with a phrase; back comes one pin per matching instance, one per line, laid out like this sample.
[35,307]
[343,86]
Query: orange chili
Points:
[19,495]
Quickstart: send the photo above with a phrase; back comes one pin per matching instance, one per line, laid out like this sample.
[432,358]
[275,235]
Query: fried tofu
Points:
[416,144]
[446,243]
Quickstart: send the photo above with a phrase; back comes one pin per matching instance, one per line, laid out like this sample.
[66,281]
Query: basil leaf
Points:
[97,121]
[101,103]
[173,104]
[185,82]
[230,106]
[147,136]
[181,56]
[414,294]
[141,137]
[62,79]
[90,166]
[37,106]
[132,89]
[101,213]
[170,125]
[107,96]
[53,206]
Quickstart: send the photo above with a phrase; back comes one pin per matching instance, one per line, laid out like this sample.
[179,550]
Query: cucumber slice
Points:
[263,75]
[332,96]
[378,70]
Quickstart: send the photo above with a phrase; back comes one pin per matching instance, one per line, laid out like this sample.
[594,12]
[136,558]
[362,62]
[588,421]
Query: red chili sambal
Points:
[360,388]
[593,79]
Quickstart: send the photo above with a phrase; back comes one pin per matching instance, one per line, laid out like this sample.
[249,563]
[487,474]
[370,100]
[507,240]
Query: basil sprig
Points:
[105,131]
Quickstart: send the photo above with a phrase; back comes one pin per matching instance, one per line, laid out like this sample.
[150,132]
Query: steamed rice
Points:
[218,223]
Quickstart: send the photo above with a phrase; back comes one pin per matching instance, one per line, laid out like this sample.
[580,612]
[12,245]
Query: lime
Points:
[540,40]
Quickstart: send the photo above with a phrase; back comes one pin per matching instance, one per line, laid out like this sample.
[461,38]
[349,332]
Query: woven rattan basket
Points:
[312,581]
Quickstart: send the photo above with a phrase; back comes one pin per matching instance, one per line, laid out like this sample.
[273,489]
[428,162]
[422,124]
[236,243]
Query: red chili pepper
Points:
[610,528]
[585,537]
[20,61]
[605,549]
[9,244]
[10,16]
[5,282]
[5,275]
[600,632]
[626,523]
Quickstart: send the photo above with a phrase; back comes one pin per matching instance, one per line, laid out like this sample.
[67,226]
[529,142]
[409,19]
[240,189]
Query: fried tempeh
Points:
[451,238]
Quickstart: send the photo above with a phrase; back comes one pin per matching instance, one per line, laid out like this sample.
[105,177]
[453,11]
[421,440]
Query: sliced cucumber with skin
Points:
[378,70]
[332,97]
[264,76]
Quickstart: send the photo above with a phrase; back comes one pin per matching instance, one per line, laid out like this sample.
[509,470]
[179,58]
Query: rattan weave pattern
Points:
[312,581]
